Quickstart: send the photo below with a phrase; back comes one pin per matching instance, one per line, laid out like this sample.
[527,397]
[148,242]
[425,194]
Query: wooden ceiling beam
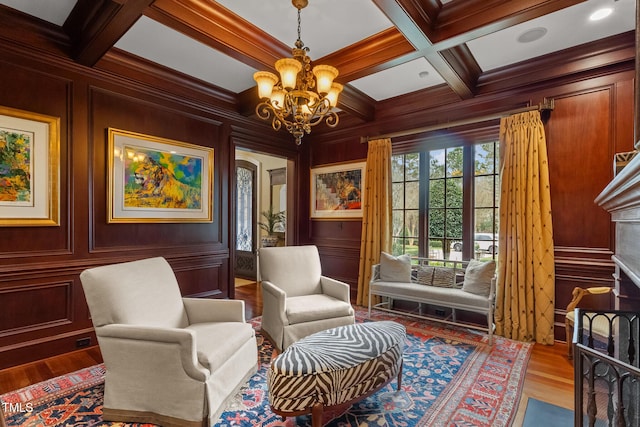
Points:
[416,22]
[376,53]
[221,29]
[460,22]
[94,26]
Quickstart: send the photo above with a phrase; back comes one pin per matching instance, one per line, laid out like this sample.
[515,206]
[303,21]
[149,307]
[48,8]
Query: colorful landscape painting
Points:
[15,166]
[161,180]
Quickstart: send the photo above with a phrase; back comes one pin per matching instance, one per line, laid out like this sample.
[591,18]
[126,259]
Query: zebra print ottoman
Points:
[335,367]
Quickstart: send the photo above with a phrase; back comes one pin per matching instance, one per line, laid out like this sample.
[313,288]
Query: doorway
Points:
[260,186]
[246,206]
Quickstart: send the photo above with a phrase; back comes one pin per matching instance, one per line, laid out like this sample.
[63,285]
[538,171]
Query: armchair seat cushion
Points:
[309,308]
[601,325]
[218,342]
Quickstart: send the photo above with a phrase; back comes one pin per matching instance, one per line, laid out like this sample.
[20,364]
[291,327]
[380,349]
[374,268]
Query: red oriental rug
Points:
[451,377]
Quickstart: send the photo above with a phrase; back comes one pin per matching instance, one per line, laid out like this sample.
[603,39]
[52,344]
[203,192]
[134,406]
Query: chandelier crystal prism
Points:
[301,97]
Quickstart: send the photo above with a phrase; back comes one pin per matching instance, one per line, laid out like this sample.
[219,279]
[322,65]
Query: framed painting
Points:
[154,179]
[337,191]
[29,169]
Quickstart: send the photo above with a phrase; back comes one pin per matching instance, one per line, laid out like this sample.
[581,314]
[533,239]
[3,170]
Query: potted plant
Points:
[271,221]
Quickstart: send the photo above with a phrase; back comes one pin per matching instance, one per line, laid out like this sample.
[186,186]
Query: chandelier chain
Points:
[299,26]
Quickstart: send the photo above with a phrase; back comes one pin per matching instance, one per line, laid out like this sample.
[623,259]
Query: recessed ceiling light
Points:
[423,74]
[600,14]
[532,35]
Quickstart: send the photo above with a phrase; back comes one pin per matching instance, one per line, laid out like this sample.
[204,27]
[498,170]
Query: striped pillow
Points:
[425,275]
[444,277]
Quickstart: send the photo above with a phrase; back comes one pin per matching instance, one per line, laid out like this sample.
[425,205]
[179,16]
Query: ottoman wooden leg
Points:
[316,415]
[400,378]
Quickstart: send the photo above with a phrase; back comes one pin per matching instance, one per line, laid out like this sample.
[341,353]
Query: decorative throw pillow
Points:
[478,276]
[444,277]
[425,275]
[395,269]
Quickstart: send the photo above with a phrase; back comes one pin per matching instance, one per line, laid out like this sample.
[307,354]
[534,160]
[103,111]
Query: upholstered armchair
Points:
[169,360]
[297,299]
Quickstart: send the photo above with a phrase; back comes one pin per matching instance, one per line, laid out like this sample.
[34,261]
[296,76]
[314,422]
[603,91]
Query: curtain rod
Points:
[545,105]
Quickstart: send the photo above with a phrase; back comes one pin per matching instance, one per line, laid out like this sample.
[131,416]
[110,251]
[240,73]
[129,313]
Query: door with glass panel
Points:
[246,232]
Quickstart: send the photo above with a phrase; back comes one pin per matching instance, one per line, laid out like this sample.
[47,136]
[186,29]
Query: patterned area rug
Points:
[451,377]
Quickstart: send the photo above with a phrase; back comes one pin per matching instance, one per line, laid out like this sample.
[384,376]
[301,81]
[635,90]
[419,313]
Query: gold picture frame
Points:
[337,191]
[29,169]
[158,180]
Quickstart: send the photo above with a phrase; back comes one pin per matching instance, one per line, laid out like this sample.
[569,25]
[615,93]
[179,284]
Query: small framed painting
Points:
[154,179]
[29,169]
[337,191]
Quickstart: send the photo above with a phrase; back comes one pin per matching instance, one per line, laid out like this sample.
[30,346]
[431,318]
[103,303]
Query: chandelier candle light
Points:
[291,100]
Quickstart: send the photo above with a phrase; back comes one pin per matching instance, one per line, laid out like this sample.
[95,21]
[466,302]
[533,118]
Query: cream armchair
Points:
[297,300]
[169,360]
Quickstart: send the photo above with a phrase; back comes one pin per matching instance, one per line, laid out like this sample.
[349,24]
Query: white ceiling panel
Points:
[158,43]
[327,25]
[566,28]
[399,80]
[54,11]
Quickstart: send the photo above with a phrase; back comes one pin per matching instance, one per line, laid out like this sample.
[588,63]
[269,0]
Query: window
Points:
[487,199]
[405,177]
[445,202]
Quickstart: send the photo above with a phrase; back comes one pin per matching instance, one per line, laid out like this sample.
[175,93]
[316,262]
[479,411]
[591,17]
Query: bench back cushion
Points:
[395,269]
[477,277]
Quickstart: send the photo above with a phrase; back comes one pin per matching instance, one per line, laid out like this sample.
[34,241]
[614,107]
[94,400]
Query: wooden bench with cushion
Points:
[459,285]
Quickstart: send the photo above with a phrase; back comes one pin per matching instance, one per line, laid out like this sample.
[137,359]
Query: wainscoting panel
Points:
[341,263]
[34,307]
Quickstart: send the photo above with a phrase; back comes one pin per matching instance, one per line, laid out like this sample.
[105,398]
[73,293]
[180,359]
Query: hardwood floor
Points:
[549,375]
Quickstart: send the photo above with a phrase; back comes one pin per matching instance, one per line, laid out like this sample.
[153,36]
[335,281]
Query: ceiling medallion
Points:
[301,97]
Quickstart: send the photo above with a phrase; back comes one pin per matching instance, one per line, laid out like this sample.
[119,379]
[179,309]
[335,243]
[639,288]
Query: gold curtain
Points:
[376,213]
[525,298]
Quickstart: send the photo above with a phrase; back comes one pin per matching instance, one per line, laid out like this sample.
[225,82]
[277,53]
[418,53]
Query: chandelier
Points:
[291,100]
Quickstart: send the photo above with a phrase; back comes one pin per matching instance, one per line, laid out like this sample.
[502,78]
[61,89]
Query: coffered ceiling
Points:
[383,48]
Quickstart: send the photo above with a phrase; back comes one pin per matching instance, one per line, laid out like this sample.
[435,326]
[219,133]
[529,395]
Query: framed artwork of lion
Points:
[154,179]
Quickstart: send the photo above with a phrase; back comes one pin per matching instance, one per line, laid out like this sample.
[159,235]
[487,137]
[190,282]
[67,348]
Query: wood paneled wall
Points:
[42,306]
[592,120]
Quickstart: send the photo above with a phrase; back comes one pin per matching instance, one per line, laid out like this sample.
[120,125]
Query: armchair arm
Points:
[579,292]
[184,338]
[202,310]
[274,296]
[335,288]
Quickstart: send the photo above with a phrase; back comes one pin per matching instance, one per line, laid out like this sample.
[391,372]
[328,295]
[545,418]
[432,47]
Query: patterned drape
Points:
[376,213]
[526,279]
